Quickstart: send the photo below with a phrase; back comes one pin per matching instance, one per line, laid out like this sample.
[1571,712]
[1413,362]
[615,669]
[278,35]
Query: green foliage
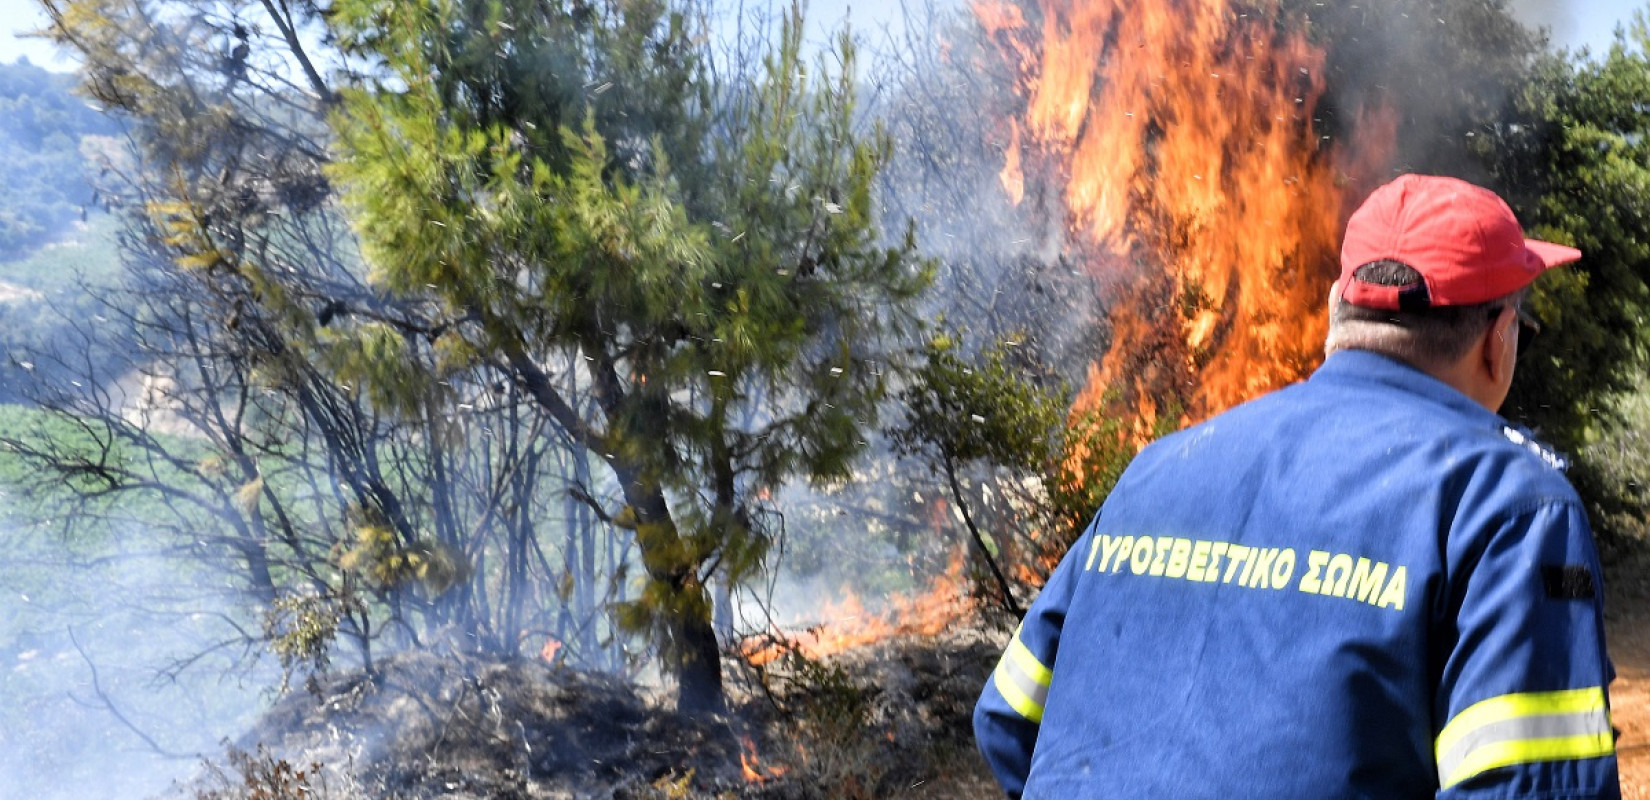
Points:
[42,124]
[1002,411]
[983,409]
[311,400]
[377,357]
[15,420]
[1094,451]
[1620,459]
[961,415]
[595,207]
[1576,159]
[301,629]
[385,563]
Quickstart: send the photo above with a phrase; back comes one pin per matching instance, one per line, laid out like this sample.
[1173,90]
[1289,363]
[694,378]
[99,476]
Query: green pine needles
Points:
[673,251]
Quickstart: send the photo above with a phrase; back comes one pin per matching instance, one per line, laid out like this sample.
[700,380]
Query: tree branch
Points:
[109,705]
[289,31]
[979,540]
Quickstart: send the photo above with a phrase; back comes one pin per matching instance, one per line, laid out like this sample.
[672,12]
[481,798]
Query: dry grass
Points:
[262,776]
[888,721]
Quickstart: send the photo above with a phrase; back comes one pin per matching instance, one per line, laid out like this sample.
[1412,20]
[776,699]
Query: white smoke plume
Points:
[1559,17]
[112,683]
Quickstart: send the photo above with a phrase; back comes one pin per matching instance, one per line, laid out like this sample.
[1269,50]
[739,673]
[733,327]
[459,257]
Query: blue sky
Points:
[1579,22]
[1574,24]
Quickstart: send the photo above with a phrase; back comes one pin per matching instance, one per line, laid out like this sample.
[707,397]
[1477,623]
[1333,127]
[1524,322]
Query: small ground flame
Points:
[752,768]
[851,625]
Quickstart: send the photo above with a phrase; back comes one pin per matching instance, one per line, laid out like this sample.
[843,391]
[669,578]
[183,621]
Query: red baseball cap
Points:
[1462,238]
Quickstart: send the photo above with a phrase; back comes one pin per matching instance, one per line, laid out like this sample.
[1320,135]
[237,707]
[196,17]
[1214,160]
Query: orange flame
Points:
[752,768]
[1013,176]
[1183,133]
[850,625]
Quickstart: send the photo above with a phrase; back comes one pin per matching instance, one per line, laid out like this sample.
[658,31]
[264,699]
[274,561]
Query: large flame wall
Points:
[1180,136]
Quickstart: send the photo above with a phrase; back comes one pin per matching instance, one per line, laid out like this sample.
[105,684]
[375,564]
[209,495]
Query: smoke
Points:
[114,677]
[1448,73]
[946,95]
[1557,16]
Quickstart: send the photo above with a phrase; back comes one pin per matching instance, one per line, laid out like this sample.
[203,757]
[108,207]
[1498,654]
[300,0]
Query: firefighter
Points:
[1366,585]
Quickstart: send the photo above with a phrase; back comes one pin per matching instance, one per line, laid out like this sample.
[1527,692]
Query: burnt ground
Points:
[458,727]
[888,721]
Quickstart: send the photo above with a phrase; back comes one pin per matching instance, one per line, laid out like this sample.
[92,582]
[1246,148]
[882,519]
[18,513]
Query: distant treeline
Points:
[42,127]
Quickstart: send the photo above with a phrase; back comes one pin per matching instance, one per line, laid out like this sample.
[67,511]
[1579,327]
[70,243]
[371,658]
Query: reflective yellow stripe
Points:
[1522,729]
[1017,698]
[1022,680]
[1028,663]
[1530,751]
[1512,706]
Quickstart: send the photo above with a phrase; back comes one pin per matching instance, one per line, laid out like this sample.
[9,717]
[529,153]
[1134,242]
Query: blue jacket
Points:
[1365,585]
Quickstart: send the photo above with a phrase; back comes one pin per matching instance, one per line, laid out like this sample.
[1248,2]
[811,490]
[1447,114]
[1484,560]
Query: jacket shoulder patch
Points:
[1568,582]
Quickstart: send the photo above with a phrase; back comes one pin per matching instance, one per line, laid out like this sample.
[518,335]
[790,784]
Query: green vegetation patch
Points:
[87,250]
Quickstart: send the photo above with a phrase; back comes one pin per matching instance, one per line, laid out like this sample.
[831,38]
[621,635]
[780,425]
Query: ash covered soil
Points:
[887,721]
[890,720]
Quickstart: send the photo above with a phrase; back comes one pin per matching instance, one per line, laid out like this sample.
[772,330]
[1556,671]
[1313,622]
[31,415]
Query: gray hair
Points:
[1425,338]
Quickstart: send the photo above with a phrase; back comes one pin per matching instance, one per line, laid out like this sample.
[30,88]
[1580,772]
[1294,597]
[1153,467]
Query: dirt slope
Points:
[1627,627]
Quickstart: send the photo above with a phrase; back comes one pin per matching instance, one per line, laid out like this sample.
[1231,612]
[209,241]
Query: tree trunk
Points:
[695,657]
[697,664]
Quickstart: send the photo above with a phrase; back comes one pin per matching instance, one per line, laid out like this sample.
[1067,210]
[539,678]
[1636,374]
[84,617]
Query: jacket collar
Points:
[1362,367]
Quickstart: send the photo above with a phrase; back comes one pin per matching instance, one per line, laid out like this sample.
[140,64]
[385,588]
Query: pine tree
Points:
[603,206]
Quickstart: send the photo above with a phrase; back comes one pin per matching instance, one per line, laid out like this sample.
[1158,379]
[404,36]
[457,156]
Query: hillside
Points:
[44,295]
[45,131]
[55,233]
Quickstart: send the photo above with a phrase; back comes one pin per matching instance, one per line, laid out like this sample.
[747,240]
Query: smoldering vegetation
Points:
[451,725]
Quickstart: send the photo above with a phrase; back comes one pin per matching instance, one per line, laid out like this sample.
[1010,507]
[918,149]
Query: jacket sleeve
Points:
[1010,710]
[1523,706]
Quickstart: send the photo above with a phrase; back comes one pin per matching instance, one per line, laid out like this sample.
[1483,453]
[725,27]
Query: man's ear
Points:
[1495,351]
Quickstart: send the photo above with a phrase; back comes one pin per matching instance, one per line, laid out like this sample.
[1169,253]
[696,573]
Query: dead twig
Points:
[109,705]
